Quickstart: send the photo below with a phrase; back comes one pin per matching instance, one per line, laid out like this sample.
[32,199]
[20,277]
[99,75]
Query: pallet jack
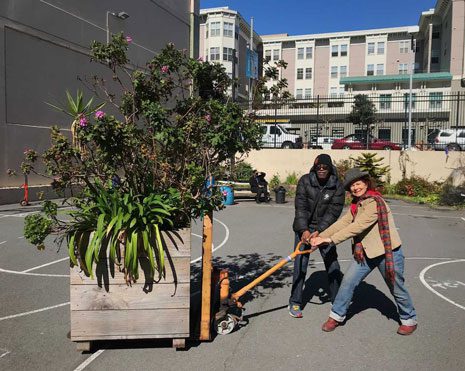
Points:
[229,315]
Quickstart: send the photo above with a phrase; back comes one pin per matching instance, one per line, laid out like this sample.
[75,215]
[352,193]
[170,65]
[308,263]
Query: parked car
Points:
[452,139]
[321,142]
[277,136]
[358,141]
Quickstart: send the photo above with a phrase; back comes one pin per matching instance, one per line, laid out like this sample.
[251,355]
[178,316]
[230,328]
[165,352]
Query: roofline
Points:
[407,29]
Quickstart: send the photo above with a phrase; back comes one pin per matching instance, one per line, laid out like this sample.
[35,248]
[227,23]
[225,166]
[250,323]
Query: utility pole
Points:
[412,68]
[250,65]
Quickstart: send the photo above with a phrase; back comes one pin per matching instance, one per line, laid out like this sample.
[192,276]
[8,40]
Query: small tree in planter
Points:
[142,169]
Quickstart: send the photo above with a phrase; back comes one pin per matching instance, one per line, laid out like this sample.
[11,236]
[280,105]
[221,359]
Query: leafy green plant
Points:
[243,171]
[144,168]
[342,166]
[292,179]
[417,186]
[451,195]
[274,182]
[372,164]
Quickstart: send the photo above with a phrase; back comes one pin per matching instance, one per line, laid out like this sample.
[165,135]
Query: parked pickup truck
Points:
[277,136]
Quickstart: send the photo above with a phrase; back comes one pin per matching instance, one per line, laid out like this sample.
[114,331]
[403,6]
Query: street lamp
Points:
[120,15]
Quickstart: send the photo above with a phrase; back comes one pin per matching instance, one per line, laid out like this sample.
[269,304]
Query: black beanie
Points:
[324,159]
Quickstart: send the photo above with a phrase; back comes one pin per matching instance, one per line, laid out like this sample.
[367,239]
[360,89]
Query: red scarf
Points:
[383,226]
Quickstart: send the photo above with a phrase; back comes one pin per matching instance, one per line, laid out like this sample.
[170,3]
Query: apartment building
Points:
[224,38]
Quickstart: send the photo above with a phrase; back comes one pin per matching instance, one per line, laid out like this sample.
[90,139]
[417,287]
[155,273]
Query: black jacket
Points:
[316,206]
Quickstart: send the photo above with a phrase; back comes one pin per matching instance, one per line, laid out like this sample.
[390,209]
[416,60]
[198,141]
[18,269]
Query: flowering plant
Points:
[140,166]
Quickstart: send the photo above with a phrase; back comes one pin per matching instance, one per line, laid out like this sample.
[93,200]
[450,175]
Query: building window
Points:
[380,69]
[275,54]
[228,54]
[308,73]
[406,100]
[404,46]
[300,53]
[334,51]
[300,73]
[206,55]
[435,56]
[309,52]
[342,71]
[214,54]
[298,94]
[308,93]
[236,32]
[333,92]
[436,35]
[337,132]
[228,29]
[403,68]
[206,30]
[215,28]
[267,55]
[384,134]
[334,72]
[370,69]
[343,50]
[385,101]
[435,100]
[381,47]
[342,91]
[371,48]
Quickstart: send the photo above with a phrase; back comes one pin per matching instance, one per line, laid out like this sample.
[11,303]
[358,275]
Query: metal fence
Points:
[319,119]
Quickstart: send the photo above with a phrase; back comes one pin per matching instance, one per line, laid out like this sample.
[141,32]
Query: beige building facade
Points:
[224,38]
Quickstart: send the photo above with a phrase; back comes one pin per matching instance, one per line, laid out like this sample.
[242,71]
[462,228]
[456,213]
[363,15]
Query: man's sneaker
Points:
[295,311]
[406,330]
[330,325]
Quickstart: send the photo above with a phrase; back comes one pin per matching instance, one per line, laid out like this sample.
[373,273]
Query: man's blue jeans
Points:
[357,273]
[333,269]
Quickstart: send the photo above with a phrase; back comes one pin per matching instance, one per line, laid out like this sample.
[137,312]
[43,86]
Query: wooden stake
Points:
[205,333]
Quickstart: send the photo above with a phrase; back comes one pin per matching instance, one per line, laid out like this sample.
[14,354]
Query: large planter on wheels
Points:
[106,308]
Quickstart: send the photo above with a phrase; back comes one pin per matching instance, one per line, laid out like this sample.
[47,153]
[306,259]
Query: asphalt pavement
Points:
[248,239]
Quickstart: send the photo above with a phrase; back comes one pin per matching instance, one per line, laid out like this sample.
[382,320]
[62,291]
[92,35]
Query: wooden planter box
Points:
[105,308]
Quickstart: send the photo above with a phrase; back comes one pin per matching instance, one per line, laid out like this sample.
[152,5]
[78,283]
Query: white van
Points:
[277,136]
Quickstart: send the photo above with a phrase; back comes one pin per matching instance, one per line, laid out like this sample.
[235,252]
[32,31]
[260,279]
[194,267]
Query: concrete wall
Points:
[431,165]
[44,49]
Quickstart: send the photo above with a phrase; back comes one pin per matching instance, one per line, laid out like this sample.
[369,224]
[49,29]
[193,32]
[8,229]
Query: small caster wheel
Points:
[225,325]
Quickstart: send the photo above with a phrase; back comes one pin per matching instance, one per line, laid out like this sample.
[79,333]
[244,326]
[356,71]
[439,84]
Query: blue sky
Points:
[297,17]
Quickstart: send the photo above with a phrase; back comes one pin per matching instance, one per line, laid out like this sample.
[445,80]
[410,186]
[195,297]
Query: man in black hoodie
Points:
[318,204]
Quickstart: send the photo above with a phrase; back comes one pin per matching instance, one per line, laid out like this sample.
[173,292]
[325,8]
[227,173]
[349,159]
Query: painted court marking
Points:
[4,352]
[33,311]
[427,285]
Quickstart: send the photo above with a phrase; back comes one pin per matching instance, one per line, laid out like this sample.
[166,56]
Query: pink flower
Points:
[208,118]
[165,69]
[129,39]
[200,59]
[27,150]
[83,122]
[99,115]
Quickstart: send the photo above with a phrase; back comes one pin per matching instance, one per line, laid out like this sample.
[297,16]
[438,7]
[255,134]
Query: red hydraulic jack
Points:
[25,200]
[229,314]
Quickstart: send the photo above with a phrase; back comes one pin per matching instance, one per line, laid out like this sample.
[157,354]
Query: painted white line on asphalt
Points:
[429,216]
[1,243]
[4,352]
[45,265]
[84,364]
[423,281]
[34,311]
[33,274]
[20,237]
[463,219]
[226,238]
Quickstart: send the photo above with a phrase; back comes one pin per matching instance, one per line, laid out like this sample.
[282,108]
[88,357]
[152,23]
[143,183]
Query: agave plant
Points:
[120,226]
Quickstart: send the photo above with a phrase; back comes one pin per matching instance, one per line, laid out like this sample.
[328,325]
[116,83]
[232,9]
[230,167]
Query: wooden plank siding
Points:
[106,308]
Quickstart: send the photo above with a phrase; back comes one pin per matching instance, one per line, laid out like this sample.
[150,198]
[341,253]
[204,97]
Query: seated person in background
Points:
[259,185]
